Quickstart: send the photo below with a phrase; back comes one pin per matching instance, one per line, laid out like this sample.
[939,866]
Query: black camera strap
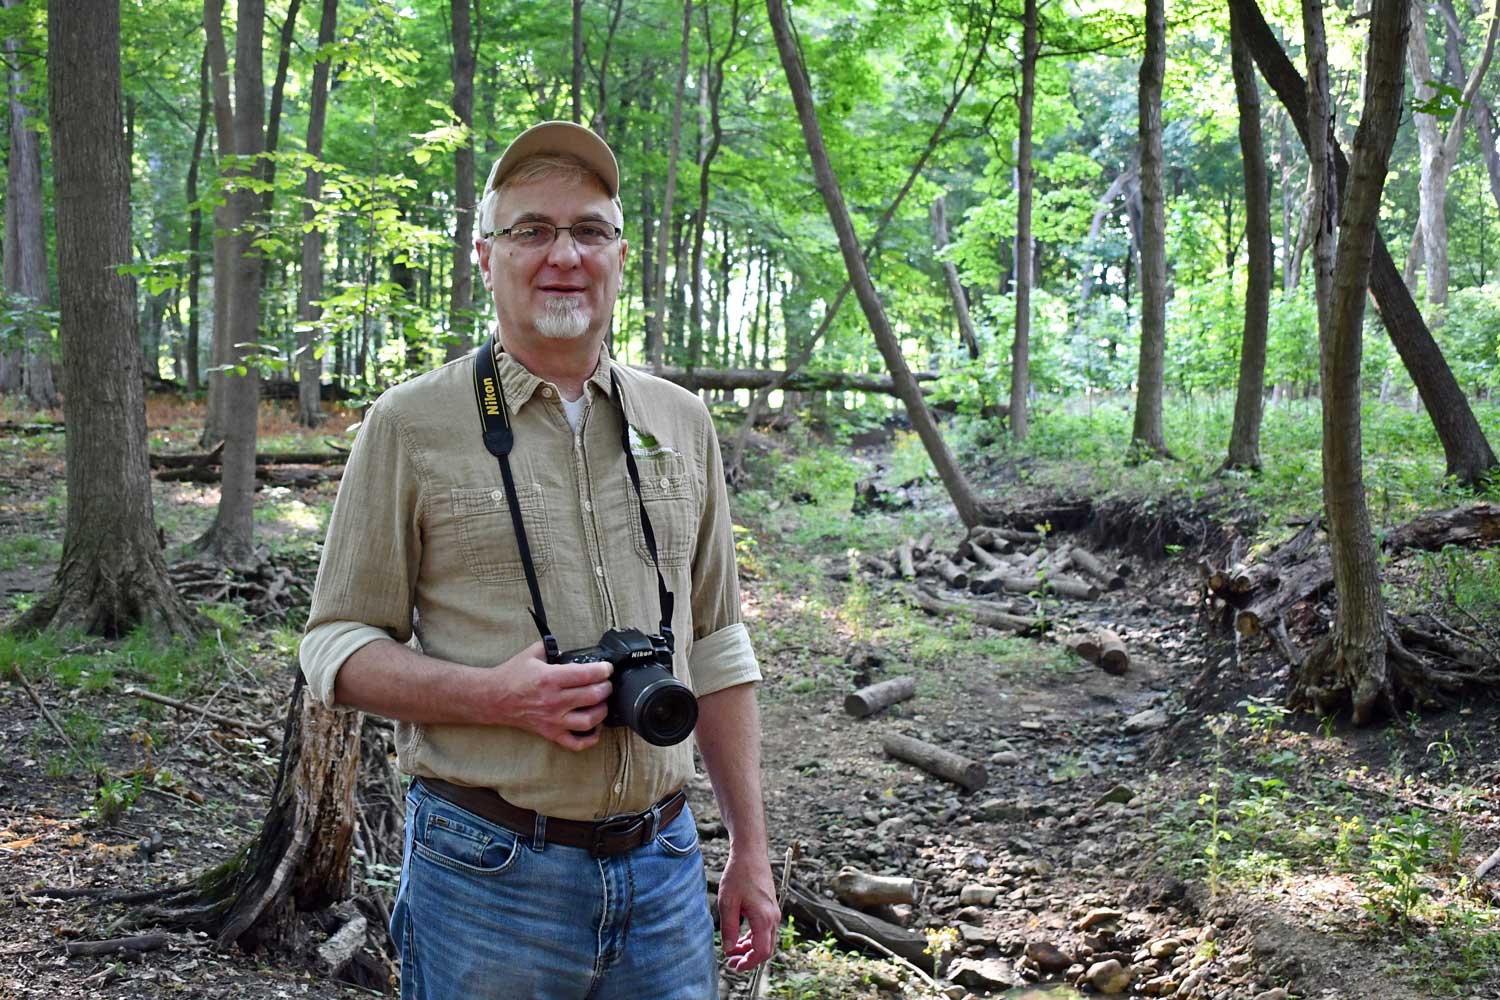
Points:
[494,417]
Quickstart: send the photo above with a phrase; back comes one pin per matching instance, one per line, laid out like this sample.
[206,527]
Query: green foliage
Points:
[1400,849]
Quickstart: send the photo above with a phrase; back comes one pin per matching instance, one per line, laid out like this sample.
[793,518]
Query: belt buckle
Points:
[615,825]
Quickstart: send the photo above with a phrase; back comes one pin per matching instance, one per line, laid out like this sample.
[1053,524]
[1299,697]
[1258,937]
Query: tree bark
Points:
[1432,188]
[25,246]
[461,301]
[577,56]
[1351,664]
[970,510]
[112,577]
[1020,348]
[950,276]
[231,536]
[311,342]
[1467,452]
[656,321]
[220,347]
[1483,117]
[1146,436]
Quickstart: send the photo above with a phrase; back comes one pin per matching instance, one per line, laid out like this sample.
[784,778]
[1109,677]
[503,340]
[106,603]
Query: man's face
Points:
[562,291]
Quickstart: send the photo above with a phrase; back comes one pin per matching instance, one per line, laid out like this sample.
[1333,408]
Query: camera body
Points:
[645,696]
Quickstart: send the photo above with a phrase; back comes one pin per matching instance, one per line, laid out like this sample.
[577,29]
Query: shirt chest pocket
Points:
[488,537]
[672,506]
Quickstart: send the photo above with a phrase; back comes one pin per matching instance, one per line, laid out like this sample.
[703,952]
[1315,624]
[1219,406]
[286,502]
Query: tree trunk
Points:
[950,276]
[1146,436]
[461,304]
[25,245]
[231,536]
[1432,188]
[712,92]
[1468,454]
[970,510]
[1020,348]
[311,342]
[1244,438]
[1483,117]
[656,321]
[1351,664]
[220,348]
[195,233]
[112,576]
[577,56]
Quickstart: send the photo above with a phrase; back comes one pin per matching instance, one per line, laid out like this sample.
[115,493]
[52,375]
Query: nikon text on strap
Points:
[499,438]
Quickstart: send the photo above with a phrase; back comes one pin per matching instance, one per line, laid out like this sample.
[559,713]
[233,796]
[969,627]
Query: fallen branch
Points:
[42,707]
[268,728]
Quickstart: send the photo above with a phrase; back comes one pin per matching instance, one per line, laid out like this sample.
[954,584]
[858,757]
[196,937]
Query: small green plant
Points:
[1213,851]
[1264,715]
[1399,850]
[112,799]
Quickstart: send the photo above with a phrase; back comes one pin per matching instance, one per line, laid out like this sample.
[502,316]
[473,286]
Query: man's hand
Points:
[747,893]
[563,702]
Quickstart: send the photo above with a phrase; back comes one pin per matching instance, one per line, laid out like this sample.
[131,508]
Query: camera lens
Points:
[664,712]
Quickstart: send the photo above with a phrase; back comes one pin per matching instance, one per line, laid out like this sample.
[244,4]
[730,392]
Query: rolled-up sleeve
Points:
[367,577]
[722,656]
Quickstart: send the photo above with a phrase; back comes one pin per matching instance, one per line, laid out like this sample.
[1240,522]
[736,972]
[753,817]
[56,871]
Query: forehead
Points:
[557,199]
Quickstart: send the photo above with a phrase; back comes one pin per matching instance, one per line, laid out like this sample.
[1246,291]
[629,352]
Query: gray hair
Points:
[541,166]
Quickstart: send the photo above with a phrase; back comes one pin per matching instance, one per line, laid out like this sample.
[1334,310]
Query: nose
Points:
[563,252]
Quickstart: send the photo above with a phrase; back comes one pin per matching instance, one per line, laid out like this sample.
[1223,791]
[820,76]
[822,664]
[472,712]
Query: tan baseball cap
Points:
[559,137]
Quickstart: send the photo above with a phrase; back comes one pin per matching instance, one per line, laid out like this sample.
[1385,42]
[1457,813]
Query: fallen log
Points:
[1312,579]
[801,381]
[1071,586]
[1091,564]
[904,559]
[991,535]
[214,457]
[1103,647]
[860,930]
[869,700]
[863,890]
[982,612]
[137,944]
[1478,524]
[936,761]
[339,950]
[878,566]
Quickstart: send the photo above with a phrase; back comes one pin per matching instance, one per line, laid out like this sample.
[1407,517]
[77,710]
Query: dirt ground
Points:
[1097,834]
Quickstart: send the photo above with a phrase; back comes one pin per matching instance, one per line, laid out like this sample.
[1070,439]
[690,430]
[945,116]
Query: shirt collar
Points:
[520,384]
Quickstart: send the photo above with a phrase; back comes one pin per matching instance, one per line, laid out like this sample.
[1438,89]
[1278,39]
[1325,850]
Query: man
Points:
[513,885]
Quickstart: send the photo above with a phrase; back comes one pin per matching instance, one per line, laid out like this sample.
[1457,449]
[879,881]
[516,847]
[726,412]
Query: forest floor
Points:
[1176,819]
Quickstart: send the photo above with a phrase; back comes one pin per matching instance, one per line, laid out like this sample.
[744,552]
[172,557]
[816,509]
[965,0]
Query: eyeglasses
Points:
[538,235]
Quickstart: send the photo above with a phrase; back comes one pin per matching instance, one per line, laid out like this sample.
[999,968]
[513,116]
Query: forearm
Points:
[728,734]
[393,680]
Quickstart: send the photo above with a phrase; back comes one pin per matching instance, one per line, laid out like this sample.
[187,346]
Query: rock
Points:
[893,827]
[974,862]
[1095,917]
[970,915]
[1276,994]
[1005,758]
[1120,793]
[988,973]
[1161,986]
[973,934]
[1110,976]
[1164,948]
[1047,957]
[978,895]
[1144,722]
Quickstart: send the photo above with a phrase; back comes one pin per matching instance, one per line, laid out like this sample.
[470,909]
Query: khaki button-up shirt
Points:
[421,544]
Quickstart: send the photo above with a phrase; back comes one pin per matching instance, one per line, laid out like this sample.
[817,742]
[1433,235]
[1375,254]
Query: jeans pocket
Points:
[680,838]
[449,838]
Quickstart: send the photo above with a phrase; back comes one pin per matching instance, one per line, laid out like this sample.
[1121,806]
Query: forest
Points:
[1106,397]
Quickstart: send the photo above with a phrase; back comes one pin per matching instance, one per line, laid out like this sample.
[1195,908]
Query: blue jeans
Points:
[487,914]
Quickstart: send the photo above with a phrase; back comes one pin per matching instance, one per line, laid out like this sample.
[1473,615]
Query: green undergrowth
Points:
[1382,852]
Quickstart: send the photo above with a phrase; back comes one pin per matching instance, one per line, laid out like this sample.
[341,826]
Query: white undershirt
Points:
[573,410]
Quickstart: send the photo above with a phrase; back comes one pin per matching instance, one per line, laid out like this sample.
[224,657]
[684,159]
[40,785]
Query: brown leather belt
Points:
[606,837]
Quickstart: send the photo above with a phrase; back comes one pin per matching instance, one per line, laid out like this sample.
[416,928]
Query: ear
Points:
[482,248]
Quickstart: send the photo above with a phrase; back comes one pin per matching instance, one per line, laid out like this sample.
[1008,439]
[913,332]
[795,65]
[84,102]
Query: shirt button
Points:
[547,392]
[665,482]
[619,787]
[588,506]
[496,495]
[598,570]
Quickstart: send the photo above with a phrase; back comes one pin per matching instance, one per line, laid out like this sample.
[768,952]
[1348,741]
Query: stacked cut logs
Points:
[994,560]
[1254,596]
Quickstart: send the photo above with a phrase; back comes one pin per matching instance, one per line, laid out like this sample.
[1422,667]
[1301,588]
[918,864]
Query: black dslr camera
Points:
[646,697]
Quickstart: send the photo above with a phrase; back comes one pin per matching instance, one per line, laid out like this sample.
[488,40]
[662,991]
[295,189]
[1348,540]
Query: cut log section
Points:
[936,761]
[1091,564]
[863,890]
[869,700]
[1103,647]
